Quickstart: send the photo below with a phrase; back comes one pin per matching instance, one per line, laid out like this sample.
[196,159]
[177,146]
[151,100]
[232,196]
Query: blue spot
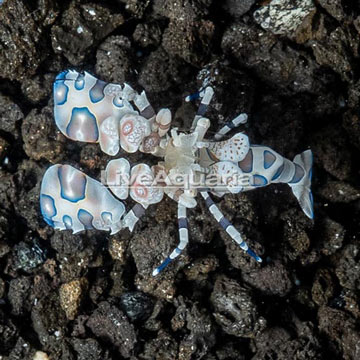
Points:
[60,93]
[67,221]
[85,218]
[118,102]
[61,76]
[97,91]
[259,180]
[80,82]
[278,172]
[48,209]
[72,183]
[269,159]
[82,125]
[178,251]
[299,174]
[246,165]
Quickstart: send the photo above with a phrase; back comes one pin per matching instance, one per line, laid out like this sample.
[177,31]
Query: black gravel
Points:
[92,296]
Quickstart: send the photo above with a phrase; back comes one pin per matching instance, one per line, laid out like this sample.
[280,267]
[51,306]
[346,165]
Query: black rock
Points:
[136,305]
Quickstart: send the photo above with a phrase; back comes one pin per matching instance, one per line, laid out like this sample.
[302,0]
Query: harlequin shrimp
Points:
[120,119]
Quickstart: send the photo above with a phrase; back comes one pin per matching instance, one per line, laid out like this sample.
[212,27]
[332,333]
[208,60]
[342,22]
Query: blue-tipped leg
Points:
[160,268]
[183,237]
[252,254]
[227,226]
[193,97]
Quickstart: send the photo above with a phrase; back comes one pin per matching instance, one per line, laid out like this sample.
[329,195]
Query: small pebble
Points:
[39,355]
[71,295]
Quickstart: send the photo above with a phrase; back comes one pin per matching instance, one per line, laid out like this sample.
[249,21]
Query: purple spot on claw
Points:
[85,218]
[48,209]
[72,183]
[82,125]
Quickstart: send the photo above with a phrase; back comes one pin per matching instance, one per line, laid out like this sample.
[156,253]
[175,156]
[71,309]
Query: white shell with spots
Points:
[133,129]
[90,110]
[117,177]
[234,149]
[144,188]
[230,175]
[69,199]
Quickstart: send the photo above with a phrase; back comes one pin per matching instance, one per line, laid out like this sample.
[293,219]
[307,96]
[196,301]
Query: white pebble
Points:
[39,355]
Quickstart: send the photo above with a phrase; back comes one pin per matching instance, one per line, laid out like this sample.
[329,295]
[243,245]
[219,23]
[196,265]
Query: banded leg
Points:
[160,124]
[133,216]
[183,236]
[234,123]
[155,143]
[206,96]
[227,226]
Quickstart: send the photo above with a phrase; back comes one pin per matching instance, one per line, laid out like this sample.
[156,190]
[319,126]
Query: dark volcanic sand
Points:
[91,296]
